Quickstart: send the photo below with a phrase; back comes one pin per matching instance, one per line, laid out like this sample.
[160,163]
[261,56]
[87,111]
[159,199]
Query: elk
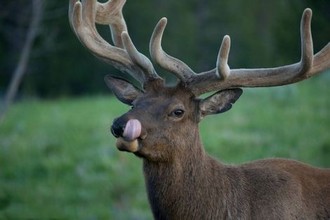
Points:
[182,180]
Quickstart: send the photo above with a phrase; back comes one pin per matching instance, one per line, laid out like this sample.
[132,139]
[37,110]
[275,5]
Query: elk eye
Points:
[178,113]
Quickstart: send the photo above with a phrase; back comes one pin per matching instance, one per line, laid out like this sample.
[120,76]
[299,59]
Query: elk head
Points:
[164,119]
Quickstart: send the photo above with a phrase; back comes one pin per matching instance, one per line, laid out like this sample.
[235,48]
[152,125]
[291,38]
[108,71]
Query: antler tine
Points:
[110,13]
[223,69]
[167,62]
[83,16]
[223,78]
[137,57]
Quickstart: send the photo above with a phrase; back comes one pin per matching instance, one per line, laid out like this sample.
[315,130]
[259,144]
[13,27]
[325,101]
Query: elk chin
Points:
[129,146]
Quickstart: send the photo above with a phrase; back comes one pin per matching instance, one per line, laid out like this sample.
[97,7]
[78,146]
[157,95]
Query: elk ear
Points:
[219,102]
[123,90]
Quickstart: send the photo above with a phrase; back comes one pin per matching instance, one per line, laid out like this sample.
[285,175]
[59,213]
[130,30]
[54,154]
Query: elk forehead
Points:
[160,99]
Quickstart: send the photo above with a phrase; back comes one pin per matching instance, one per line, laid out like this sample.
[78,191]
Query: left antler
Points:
[222,77]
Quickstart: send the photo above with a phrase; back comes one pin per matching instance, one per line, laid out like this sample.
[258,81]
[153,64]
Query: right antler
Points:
[123,55]
[222,77]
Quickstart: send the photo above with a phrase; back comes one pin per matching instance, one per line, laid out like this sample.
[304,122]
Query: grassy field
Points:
[58,160]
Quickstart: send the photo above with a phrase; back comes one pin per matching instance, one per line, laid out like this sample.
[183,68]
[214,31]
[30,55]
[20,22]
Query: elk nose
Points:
[117,130]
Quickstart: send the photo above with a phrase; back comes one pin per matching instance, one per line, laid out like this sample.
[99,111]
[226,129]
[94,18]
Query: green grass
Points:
[58,160]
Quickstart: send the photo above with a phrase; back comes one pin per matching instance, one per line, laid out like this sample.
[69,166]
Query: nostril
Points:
[117,130]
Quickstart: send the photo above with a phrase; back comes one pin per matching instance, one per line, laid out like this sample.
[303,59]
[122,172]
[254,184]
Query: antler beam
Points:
[223,77]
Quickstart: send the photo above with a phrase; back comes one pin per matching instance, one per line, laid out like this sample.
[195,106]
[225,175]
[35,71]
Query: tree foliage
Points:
[263,34]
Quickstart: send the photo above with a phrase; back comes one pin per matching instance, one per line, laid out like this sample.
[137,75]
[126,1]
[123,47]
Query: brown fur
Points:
[183,182]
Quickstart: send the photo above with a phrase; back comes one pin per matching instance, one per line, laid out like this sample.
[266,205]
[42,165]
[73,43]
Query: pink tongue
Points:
[132,130]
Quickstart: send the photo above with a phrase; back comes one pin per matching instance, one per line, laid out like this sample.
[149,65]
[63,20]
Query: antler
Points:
[167,62]
[222,77]
[123,55]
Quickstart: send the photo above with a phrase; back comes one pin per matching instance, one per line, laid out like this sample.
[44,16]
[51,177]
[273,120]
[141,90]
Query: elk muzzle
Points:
[127,134]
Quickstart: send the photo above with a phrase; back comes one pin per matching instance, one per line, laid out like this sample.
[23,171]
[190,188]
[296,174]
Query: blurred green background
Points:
[57,156]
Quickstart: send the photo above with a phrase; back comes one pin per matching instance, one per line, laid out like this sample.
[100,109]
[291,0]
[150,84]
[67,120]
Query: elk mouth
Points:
[129,146]
[129,141]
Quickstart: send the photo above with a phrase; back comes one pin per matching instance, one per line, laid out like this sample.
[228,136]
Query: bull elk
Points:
[182,181]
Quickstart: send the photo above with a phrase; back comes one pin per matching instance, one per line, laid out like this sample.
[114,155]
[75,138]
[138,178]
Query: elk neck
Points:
[189,175]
